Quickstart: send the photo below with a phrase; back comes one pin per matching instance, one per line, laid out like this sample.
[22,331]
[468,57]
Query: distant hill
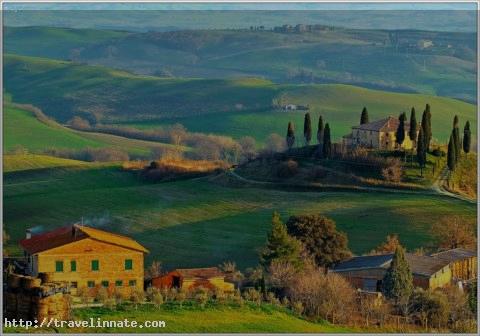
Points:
[438,63]
[233,107]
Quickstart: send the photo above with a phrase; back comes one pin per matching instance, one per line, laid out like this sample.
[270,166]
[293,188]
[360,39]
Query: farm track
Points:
[436,188]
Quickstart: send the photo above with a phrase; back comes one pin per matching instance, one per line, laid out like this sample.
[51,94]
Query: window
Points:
[132,283]
[104,283]
[95,265]
[73,266]
[128,264]
[119,283]
[91,284]
[58,266]
[74,284]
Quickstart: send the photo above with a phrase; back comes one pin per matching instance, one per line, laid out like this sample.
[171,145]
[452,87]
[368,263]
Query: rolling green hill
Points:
[390,60]
[232,107]
[22,129]
[198,223]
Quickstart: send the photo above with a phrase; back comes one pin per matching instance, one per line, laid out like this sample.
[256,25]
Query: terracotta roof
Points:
[419,265]
[204,273]
[455,254]
[69,234]
[389,124]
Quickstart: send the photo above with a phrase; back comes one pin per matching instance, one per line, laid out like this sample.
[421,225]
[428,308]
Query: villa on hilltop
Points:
[379,134]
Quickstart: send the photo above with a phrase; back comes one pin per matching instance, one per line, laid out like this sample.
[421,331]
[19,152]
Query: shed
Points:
[211,278]
[463,263]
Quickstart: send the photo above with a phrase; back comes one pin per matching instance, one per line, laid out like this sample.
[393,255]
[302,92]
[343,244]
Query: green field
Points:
[23,129]
[232,107]
[201,223]
[19,162]
[211,319]
[340,106]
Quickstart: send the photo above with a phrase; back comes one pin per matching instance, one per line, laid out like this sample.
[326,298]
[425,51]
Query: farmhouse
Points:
[211,278]
[86,257]
[367,272]
[379,134]
[463,263]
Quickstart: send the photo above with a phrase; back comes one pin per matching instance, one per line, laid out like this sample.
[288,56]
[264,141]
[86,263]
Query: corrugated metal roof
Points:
[419,265]
[455,254]
[69,234]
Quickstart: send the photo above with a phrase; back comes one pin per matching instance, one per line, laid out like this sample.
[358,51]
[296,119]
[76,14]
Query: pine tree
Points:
[398,280]
[320,131]
[290,135]
[421,151]
[467,138]
[400,134]
[280,245]
[451,154]
[307,129]
[412,133]
[327,142]
[364,116]
[456,138]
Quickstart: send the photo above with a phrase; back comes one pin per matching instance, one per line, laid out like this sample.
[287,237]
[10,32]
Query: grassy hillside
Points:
[212,319]
[20,162]
[340,106]
[201,223]
[391,60]
[232,107]
[23,128]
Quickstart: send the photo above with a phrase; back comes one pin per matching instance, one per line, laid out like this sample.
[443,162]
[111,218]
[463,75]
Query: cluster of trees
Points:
[323,135]
[456,144]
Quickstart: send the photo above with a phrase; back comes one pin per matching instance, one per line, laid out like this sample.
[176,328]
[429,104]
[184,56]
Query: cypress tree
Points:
[456,138]
[451,154]
[290,135]
[428,127]
[364,116]
[467,138]
[307,129]
[398,280]
[320,131]
[412,132]
[421,151]
[327,142]
[280,245]
[400,134]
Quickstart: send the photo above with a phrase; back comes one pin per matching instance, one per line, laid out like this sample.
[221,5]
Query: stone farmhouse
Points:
[379,134]
[86,257]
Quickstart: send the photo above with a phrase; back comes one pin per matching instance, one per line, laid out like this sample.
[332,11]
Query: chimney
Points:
[28,233]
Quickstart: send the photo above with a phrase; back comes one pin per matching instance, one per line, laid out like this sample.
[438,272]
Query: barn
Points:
[463,263]
[189,279]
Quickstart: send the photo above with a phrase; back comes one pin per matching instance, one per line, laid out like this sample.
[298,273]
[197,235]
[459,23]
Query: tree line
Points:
[324,139]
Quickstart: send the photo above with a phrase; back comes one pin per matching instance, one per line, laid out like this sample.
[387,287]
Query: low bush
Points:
[287,169]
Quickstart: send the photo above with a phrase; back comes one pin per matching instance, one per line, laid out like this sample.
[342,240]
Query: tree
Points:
[274,144]
[451,153]
[427,127]
[412,132]
[307,129]
[249,148]
[364,116]
[388,246]
[320,237]
[400,134]
[421,151]
[320,131]
[431,306]
[453,232]
[398,280]
[467,138]
[154,270]
[280,245]
[290,135]
[456,138]
[327,143]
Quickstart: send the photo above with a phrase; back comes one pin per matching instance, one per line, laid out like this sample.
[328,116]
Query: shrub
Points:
[253,295]
[137,297]
[393,172]
[180,297]
[287,169]
[157,299]
[110,303]
[79,123]
[151,291]
[430,306]
[101,295]
[202,298]
[297,307]
[438,152]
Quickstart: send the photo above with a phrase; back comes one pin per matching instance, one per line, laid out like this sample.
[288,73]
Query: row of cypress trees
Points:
[455,144]
[323,135]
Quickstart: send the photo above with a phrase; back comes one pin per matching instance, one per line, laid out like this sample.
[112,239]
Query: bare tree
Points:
[454,231]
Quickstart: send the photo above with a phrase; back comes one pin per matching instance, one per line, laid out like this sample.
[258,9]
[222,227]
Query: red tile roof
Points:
[389,124]
[72,233]
[204,273]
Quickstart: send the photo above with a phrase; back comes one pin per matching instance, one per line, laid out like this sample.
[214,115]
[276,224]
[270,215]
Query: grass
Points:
[237,107]
[194,223]
[23,129]
[340,106]
[20,162]
[211,319]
